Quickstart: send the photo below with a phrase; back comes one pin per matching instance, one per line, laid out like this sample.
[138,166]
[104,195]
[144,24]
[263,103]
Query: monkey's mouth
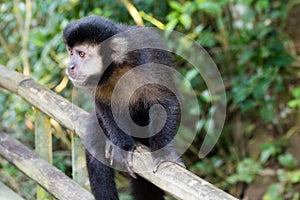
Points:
[79,80]
[76,79]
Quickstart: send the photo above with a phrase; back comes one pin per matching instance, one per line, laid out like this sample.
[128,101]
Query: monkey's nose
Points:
[72,67]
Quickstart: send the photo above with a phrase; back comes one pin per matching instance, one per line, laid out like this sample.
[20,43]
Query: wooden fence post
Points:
[43,145]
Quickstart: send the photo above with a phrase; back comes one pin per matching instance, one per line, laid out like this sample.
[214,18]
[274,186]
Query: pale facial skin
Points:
[85,62]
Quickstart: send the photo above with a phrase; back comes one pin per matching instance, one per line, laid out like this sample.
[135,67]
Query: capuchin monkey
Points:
[99,58]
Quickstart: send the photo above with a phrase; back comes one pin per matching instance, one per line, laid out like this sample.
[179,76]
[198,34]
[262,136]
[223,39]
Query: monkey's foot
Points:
[166,156]
[122,158]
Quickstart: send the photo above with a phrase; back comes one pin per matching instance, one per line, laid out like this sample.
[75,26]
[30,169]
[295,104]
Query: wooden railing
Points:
[174,179]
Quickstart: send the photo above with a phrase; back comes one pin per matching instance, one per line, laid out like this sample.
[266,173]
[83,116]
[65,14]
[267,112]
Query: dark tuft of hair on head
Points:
[91,30]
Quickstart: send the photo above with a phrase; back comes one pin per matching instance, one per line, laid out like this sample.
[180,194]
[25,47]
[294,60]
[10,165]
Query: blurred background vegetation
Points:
[256,46]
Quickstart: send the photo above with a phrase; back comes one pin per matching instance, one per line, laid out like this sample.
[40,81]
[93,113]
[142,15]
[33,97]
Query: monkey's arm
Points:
[119,146]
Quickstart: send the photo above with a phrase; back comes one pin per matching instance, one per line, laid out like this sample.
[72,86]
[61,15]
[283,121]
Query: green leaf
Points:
[205,96]
[287,160]
[296,92]
[268,150]
[210,7]
[172,16]
[267,112]
[186,21]
[206,39]
[294,176]
[38,36]
[294,103]
[198,29]
[246,171]
[273,192]
[191,74]
[171,24]
[245,57]
[176,6]
[296,196]
[262,5]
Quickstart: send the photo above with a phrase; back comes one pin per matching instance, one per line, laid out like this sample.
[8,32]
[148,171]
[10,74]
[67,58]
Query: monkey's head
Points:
[87,57]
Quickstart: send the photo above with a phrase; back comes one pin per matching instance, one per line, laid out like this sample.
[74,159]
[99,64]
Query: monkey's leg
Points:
[161,142]
[101,179]
[144,190]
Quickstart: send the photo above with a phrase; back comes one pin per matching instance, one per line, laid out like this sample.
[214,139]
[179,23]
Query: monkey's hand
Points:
[120,156]
[166,154]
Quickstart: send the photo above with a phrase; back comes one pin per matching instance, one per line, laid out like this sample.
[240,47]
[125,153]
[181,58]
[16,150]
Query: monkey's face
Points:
[85,65]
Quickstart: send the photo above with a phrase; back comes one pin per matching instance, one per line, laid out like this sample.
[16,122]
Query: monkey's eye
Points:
[81,54]
[71,52]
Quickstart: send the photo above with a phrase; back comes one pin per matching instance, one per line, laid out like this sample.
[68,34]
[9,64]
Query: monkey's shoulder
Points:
[125,84]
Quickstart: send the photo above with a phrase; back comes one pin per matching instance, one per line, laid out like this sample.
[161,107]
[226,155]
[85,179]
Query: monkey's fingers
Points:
[109,152]
[108,149]
[112,154]
[131,173]
[157,163]
[130,158]
[130,164]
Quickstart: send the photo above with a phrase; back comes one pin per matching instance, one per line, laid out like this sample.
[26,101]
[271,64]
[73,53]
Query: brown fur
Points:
[105,90]
[149,93]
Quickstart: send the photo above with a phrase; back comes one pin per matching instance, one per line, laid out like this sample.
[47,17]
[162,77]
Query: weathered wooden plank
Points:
[7,194]
[79,171]
[44,99]
[43,145]
[53,180]
[175,179]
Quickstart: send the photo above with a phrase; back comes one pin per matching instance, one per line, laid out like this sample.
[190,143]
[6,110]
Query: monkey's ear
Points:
[119,46]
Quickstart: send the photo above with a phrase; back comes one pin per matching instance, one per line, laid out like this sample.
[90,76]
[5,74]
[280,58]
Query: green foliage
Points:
[63,162]
[295,102]
[246,171]
[246,39]
[273,192]
[287,160]
[270,150]
[289,176]
[209,7]
[208,166]
[285,185]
